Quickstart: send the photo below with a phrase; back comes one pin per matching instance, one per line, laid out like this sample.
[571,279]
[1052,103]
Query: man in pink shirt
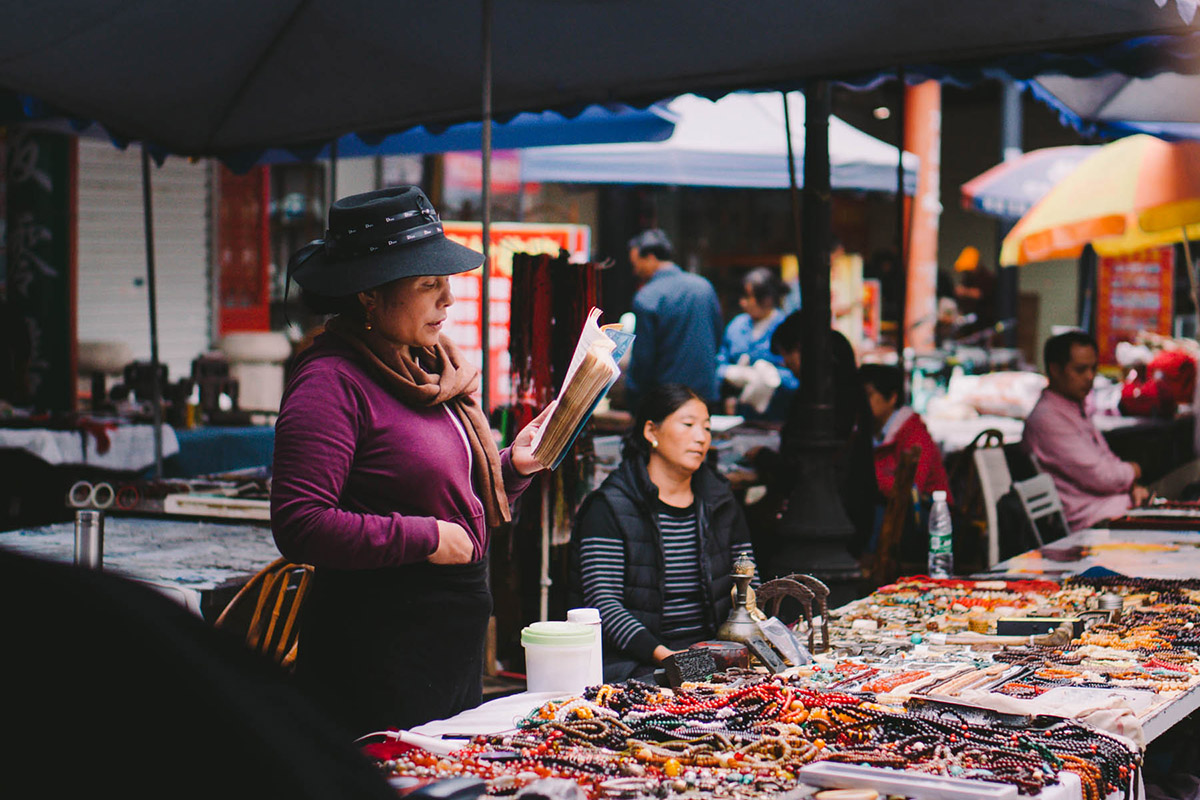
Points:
[1092,482]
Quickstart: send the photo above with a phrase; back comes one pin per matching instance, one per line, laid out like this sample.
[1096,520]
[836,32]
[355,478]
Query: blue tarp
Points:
[611,123]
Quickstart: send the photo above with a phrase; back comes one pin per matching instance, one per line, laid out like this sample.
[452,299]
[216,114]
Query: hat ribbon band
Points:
[363,243]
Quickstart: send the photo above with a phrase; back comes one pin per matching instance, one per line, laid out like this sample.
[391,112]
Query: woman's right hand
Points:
[661,653]
[454,545]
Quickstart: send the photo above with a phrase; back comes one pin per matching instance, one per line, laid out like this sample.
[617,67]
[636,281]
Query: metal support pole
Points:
[816,243]
[544,581]
[152,297]
[814,533]
[793,190]
[1007,278]
[485,315]
[333,159]
[901,233]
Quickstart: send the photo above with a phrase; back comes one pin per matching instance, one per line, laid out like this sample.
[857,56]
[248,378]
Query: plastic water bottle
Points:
[941,538]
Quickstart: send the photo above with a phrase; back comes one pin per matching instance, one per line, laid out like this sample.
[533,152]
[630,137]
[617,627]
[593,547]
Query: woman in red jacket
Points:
[897,428]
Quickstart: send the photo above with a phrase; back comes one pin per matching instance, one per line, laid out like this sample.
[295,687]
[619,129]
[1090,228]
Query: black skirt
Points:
[395,648]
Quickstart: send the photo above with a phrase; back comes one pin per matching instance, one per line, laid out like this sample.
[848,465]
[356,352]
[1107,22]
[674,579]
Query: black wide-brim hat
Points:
[375,238]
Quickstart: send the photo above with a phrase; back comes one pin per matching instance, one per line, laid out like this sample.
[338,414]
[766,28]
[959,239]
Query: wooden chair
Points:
[1043,508]
[267,609]
[811,594]
[883,566]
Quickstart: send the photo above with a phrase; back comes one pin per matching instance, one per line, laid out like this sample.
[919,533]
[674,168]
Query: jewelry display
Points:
[881,696]
[748,738]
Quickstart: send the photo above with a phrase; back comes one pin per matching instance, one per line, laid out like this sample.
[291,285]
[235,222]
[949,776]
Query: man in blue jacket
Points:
[678,324]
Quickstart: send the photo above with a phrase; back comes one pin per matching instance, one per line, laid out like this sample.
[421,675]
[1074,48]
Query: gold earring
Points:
[367,325]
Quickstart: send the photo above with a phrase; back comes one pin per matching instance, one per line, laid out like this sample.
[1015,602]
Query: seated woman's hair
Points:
[887,380]
[765,286]
[659,403]
[346,306]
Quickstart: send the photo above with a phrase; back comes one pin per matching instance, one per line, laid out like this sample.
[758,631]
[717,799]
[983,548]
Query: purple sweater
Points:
[360,479]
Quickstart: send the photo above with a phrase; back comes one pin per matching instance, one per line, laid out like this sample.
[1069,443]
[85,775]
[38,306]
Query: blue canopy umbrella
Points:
[612,122]
[1012,187]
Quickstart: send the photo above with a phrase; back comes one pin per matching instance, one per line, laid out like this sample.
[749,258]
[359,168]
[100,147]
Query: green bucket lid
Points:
[557,634]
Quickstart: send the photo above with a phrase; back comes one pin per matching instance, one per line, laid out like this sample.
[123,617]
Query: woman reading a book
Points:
[386,477]
[654,546]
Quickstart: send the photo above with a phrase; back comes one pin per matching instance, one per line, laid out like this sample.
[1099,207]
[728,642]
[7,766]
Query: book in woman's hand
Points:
[592,371]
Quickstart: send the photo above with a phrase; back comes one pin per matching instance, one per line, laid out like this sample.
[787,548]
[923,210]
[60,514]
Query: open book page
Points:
[592,371]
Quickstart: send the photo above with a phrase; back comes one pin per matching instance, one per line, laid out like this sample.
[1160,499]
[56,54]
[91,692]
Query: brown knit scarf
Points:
[430,376]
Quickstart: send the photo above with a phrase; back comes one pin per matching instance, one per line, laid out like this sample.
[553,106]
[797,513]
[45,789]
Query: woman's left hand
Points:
[521,452]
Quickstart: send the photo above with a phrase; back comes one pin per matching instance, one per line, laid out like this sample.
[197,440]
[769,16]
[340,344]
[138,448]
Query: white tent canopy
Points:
[737,142]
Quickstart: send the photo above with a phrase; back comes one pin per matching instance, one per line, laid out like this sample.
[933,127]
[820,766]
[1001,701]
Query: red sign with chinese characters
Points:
[244,251]
[1133,293]
[463,319]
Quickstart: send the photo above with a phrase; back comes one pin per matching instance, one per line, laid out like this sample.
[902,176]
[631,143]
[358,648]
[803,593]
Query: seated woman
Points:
[654,546]
[897,428]
[748,340]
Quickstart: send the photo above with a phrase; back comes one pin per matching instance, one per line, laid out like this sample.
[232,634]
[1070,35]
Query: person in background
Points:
[853,462]
[897,428]
[678,323]
[386,477]
[748,341]
[654,546]
[974,292]
[1092,482]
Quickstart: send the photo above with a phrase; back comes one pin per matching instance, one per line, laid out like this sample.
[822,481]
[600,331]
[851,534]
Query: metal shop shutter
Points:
[112,300]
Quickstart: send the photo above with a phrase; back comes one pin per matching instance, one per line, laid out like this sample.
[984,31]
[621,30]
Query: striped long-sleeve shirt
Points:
[602,563]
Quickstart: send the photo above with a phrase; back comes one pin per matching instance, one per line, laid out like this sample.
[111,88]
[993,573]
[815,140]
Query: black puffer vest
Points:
[629,496]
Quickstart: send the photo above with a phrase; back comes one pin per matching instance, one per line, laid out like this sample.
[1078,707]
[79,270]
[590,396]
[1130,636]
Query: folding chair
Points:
[995,480]
[1043,508]
[277,592]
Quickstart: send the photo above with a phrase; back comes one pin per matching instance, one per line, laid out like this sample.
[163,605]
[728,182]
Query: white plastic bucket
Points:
[558,656]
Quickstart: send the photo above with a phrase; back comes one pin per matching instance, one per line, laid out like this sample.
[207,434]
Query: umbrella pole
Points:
[901,233]
[793,189]
[486,217]
[813,533]
[333,159]
[152,291]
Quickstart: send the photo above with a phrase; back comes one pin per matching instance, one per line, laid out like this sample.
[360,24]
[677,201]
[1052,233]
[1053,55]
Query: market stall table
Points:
[916,659]
[501,716]
[214,449]
[40,463]
[112,446]
[199,564]
[1143,554]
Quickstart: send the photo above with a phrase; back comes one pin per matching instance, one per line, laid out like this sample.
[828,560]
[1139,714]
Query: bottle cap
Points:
[584,616]
[939,495]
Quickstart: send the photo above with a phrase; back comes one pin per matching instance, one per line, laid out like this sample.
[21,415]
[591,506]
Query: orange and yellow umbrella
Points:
[1131,194]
